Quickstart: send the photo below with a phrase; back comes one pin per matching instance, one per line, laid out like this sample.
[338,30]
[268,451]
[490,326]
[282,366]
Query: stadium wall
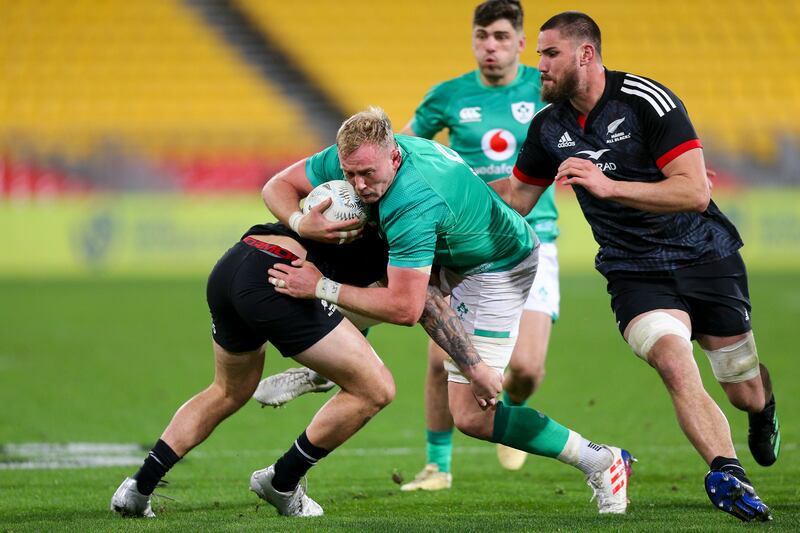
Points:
[179,234]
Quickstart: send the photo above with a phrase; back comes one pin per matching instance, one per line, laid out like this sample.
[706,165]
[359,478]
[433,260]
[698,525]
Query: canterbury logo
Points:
[594,155]
[470,114]
[614,125]
[565,141]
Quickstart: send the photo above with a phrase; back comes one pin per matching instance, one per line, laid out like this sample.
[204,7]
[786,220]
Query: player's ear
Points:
[587,54]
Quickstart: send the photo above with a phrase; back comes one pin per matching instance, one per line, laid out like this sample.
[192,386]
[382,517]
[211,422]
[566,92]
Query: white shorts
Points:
[490,306]
[545,295]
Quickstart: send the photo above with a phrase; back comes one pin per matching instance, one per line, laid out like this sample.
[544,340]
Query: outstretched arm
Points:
[521,196]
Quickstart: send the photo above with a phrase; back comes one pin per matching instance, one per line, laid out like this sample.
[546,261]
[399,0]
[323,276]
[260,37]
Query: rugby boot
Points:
[128,501]
[764,434]
[294,503]
[282,388]
[610,486]
[429,479]
[732,492]
[510,458]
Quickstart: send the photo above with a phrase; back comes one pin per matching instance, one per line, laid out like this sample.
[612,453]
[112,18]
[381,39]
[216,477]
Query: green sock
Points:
[526,429]
[440,448]
[511,403]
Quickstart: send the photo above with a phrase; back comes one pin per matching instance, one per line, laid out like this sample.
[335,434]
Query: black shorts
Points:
[715,295]
[246,311]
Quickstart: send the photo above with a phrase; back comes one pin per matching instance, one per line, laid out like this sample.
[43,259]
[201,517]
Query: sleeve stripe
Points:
[667,108]
[530,180]
[646,97]
[682,148]
[654,86]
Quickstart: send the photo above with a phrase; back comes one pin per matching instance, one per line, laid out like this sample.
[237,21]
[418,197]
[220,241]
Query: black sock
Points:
[295,463]
[731,466]
[158,462]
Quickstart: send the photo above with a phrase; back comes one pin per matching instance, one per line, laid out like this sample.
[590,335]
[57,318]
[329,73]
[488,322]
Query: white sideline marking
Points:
[47,456]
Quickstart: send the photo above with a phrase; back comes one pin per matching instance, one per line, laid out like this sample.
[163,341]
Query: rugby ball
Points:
[346,203]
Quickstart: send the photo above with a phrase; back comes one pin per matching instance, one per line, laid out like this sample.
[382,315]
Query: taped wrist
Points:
[294,221]
[328,290]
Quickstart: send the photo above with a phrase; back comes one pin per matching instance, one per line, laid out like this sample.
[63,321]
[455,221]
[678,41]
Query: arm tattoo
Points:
[446,330]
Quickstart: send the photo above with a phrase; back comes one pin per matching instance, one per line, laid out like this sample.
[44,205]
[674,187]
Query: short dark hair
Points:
[574,24]
[493,10]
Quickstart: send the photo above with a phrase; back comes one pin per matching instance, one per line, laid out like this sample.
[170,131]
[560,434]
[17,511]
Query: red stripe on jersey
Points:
[682,148]
[530,180]
[582,121]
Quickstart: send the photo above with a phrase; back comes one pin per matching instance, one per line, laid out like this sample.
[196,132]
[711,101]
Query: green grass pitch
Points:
[109,361]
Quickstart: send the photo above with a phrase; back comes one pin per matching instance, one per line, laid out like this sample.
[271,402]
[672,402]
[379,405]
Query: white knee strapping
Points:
[650,328]
[735,363]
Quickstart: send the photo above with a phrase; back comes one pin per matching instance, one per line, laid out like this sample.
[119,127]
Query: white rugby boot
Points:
[510,458]
[610,486]
[128,501]
[295,503]
[429,479]
[282,388]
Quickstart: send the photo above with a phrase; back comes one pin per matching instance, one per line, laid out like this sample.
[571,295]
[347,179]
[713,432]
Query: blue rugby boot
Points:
[730,494]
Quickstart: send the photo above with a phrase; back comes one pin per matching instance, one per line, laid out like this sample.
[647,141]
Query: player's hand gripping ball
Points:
[346,203]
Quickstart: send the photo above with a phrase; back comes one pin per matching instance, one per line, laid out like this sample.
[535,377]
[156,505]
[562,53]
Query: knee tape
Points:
[735,363]
[649,329]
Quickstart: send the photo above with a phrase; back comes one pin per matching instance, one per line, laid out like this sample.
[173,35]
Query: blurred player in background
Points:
[486,113]
[626,145]
[443,225]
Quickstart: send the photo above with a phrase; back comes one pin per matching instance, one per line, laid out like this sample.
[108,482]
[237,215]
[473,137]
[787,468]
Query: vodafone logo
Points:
[498,144]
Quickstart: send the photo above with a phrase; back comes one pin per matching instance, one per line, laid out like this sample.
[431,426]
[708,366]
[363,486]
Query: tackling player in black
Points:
[626,145]
[247,312]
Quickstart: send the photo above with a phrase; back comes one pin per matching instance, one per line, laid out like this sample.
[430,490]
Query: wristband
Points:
[294,221]
[328,290]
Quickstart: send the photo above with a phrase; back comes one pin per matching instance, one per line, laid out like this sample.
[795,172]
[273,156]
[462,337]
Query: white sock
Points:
[593,457]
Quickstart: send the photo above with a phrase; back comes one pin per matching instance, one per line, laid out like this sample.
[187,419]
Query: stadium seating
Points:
[150,75]
[733,62]
[153,78]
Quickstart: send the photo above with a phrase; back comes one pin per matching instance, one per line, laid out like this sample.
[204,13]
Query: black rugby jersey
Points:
[358,263]
[636,128]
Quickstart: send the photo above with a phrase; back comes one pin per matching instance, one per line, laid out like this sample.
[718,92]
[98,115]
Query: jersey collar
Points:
[516,81]
[586,121]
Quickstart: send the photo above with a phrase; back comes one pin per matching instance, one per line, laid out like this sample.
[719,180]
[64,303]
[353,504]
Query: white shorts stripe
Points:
[646,97]
[656,87]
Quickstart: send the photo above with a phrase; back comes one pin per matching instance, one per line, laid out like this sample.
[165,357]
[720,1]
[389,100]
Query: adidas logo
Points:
[565,141]
[617,478]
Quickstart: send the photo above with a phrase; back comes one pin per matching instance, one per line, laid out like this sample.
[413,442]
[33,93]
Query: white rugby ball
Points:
[346,203]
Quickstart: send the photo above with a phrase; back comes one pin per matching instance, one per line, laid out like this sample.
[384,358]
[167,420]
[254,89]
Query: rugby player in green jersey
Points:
[486,113]
[445,226]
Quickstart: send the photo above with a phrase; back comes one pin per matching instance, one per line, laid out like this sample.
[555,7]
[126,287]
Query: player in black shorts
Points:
[626,145]
[247,313]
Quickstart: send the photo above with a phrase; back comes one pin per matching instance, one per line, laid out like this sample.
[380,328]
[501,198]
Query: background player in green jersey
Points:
[487,112]
[444,226]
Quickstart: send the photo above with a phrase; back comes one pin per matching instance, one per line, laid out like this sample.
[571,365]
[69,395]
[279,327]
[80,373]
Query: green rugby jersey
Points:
[438,211]
[487,126]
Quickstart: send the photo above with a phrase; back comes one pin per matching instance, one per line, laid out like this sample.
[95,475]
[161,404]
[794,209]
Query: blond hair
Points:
[367,127]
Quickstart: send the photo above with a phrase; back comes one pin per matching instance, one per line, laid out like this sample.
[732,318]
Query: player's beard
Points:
[561,91]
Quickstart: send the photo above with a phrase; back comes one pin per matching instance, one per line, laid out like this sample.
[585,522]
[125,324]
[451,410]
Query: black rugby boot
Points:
[764,434]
